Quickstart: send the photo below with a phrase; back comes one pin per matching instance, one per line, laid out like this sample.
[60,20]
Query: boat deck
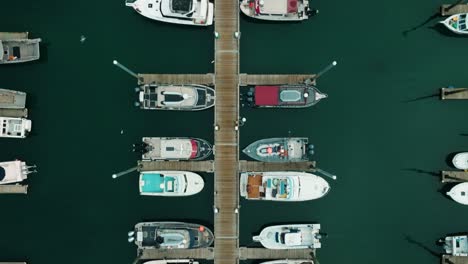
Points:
[453,93]
[461,8]
[5,112]
[13,189]
[454,176]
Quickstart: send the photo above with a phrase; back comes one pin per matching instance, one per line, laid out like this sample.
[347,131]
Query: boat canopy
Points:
[158,183]
[293,239]
[266,95]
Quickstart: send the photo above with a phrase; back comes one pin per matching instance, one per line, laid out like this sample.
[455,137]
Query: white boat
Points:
[456,245]
[14,171]
[13,127]
[190,97]
[459,193]
[460,161]
[289,261]
[171,261]
[184,12]
[456,23]
[298,236]
[18,48]
[277,10]
[170,183]
[10,99]
[165,148]
[287,186]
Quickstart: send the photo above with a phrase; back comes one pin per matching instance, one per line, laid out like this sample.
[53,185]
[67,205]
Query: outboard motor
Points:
[311,12]
[131,233]
[131,239]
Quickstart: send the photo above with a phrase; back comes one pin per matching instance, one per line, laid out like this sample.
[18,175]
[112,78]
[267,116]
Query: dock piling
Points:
[116,175]
[116,63]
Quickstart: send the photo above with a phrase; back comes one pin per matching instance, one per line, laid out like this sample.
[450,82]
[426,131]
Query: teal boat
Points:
[170,183]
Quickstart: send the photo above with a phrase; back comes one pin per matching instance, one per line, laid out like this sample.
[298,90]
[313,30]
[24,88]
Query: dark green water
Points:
[365,132]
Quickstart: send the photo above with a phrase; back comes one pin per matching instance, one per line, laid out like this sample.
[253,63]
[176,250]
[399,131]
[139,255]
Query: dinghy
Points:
[459,193]
[298,236]
[456,23]
[460,161]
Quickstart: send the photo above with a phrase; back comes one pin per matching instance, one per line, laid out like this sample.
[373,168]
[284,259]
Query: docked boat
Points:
[459,193]
[277,10]
[14,171]
[289,261]
[13,127]
[171,261]
[287,186]
[184,12]
[456,23]
[170,183]
[10,99]
[460,161]
[191,97]
[170,235]
[280,150]
[285,96]
[18,48]
[456,245]
[298,236]
[164,148]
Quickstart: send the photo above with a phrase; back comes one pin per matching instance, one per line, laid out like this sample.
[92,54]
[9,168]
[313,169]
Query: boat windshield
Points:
[181,6]
[279,188]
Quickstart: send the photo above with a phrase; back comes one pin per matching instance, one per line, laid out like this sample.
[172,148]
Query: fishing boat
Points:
[456,245]
[287,186]
[280,150]
[289,261]
[165,148]
[285,96]
[459,193]
[460,161]
[298,236]
[456,23]
[172,261]
[191,97]
[10,99]
[170,183]
[17,48]
[184,12]
[277,10]
[13,127]
[14,171]
[170,235]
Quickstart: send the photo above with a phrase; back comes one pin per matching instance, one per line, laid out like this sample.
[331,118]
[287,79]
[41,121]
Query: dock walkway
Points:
[5,112]
[454,93]
[13,189]
[454,176]
[461,8]
[447,259]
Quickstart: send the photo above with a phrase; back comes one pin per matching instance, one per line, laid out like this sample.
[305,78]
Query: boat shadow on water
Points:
[413,241]
[422,24]
[441,29]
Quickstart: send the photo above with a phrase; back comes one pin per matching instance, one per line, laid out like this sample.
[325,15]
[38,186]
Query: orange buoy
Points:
[201,228]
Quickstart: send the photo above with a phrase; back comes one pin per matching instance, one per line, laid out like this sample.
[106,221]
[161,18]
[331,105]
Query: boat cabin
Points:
[159,183]
[459,22]
[275,7]
[14,127]
[270,188]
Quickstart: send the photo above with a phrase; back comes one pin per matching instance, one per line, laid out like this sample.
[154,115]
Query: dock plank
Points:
[454,93]
[13,35]
[447,259]
[6,112]
[199,166]
[461,8]
[13,189]
[454,176]
[257,166]
[264,253]
[200,253]
[273,79]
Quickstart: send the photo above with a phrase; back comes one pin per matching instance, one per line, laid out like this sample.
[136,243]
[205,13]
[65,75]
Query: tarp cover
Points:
[266,95]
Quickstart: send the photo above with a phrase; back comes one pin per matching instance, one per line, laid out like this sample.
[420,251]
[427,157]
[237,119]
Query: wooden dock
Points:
[273,79]
[13,189]
[461,8]
[4,112]
[13,35]
[256,166]
[206,79]
[264,253]
[200,253]
[448,259]
[453,93]
[199,166]
[454,176]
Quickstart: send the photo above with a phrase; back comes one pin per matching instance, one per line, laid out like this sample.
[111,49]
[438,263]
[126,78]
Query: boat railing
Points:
[129,2]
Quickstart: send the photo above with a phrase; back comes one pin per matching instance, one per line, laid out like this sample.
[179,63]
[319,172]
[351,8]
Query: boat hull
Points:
[15,127]
[453,23]
[289,261]
[459,193]
[299,236]
[301,186]
[278,150]
[165,148]
[460,161]
[172,235]
[286,96]
[253,9]
[19,50]
[172,184]
[10,99]
[191,97]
